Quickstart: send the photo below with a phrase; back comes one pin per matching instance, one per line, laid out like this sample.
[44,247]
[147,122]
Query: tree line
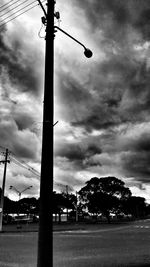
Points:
[99,197]
[103,196]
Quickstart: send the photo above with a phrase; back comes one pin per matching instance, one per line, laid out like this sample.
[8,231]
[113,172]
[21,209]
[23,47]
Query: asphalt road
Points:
[18,249]
[90,246]
[119,246]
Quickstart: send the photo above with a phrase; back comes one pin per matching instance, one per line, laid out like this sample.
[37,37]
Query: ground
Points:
[80,245]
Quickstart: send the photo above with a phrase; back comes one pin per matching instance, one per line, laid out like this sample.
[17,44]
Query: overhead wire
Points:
[17,163]
[26,166]
[9,11]
[6,3]
[29,168]
[1,10]
[24,163]
[17,11]
[20,163]
[3,24]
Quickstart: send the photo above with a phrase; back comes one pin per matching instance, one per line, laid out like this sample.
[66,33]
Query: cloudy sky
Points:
[102,103]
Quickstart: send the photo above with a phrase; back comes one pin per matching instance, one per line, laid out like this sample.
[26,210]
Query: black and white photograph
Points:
[74,133]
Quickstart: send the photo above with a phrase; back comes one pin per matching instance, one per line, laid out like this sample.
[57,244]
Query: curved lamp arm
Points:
[26,189]
[87,52]
[13,187]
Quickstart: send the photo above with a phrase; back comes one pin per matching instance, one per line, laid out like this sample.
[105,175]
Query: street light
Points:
[19,192]
[87,52]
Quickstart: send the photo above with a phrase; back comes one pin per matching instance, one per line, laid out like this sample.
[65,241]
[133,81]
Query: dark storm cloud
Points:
[71,151]
[140,80]
[93,149]
[102,101]
[18,64]
[136,164]
[97,8]
[136,160]
[82,108]
[23,120]
[113,16]
[99,104]
[76,152]
[143,23]
[24,151]
[142,144]
[111,92]
[23,144]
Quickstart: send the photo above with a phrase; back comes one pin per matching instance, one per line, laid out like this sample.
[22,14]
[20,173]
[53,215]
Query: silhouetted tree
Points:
[58,204]
[104,195]
[10,206]
[70,200]
[63,201]
[135,206]
[28,205]
[147,209]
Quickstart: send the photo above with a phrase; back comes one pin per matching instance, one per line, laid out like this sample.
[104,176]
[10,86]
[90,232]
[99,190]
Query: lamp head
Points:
[88,53]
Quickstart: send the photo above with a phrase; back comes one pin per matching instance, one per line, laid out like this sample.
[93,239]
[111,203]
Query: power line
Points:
[13,161]
[20,163]
[1,10]
[3,24]
[9,11]
[24,163]
[6,4]
[29,168]
[18,10]
[16,163]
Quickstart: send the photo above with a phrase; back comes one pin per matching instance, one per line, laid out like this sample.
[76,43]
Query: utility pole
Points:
[45,235]
[3,189]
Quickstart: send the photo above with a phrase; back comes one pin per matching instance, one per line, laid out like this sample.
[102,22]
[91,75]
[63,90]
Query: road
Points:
[119,246]
[94,246]
[18,249]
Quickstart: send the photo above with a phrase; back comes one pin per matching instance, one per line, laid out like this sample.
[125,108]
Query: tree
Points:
[102,203]
[10,206]
[70,200]
[103,195]
[135,206]
[63,201]
[28,205]
[58,204]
